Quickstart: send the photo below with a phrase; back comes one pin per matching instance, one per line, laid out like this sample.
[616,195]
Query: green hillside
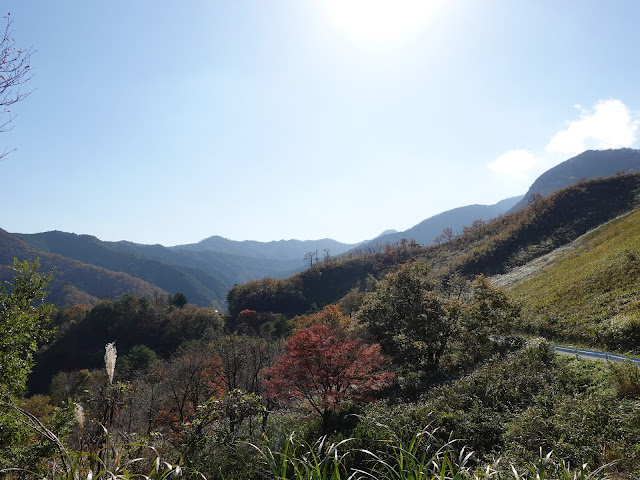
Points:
[589,293]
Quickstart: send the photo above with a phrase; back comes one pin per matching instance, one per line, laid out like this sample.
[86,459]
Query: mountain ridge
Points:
[274,249]
[585,166]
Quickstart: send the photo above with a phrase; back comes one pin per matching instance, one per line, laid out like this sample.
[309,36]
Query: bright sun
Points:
[379,21]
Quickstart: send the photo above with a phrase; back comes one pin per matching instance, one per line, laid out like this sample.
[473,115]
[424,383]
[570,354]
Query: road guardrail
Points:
[596,355]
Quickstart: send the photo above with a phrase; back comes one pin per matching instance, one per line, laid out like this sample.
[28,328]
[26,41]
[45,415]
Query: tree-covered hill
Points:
[228,268]
[490,248]
[203,276]
[199,287]
[74,281]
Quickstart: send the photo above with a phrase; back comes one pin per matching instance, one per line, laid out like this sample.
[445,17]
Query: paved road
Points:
[594,355]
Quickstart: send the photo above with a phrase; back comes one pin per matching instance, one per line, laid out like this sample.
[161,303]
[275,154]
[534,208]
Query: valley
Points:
[368,350]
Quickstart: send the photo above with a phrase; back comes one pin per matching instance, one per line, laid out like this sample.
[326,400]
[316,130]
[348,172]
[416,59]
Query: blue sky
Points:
[168,122]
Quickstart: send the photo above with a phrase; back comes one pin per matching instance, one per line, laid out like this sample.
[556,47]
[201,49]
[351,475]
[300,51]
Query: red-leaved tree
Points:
[326,369]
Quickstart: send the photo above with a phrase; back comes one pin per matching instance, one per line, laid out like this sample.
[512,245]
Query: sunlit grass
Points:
[591,293]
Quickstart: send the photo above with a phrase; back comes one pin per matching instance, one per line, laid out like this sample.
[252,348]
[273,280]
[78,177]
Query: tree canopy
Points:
[408,317]
[326,369]
[23,322]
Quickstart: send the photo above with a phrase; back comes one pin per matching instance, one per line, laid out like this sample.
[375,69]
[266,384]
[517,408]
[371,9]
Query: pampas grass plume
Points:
[110,359]
[79,415]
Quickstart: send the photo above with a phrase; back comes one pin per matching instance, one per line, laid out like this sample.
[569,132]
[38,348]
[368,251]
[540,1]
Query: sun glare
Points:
[379,21]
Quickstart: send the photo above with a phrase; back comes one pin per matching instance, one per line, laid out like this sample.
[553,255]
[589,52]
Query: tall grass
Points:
[405,460]
[589,293]
[294,460]
[98,465]
[300,460]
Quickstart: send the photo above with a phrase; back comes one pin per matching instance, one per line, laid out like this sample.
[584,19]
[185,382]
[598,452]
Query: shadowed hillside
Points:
[73,281]
[204,277]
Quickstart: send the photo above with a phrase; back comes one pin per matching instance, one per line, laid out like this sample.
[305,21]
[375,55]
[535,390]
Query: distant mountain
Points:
[199,288]
[279,250]
[204,277]
[88,269]
[73,281]
[587,165]
[426,231]
[386,232]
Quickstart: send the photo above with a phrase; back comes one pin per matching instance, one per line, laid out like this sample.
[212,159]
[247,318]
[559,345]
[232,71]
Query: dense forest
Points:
[394,361]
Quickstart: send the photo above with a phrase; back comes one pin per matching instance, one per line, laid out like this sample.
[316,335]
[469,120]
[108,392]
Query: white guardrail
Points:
[611,357]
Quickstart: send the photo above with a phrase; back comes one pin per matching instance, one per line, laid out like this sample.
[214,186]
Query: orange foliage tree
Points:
[330,316]
[326,369]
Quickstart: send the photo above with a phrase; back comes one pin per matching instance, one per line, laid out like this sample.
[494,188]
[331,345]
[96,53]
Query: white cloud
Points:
[609,125]
[514,163]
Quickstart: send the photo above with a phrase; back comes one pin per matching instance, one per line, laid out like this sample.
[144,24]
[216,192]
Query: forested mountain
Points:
[204,277]
[587,165]
[201,288]
[280,250]
[229,268]
[73,281]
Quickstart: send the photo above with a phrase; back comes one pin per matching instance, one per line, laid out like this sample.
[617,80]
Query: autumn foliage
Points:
[330,315]
[325,369]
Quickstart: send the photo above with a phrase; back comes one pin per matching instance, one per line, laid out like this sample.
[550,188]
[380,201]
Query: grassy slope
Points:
[590,292]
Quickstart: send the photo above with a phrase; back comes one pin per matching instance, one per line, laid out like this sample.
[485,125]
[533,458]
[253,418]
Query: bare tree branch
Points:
[15,71]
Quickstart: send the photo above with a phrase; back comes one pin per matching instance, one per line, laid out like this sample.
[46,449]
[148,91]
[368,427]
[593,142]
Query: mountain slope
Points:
[228,268]
[198,287]
[73,281]
[553,221]
[204,277]
[588,293]
[588,165]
